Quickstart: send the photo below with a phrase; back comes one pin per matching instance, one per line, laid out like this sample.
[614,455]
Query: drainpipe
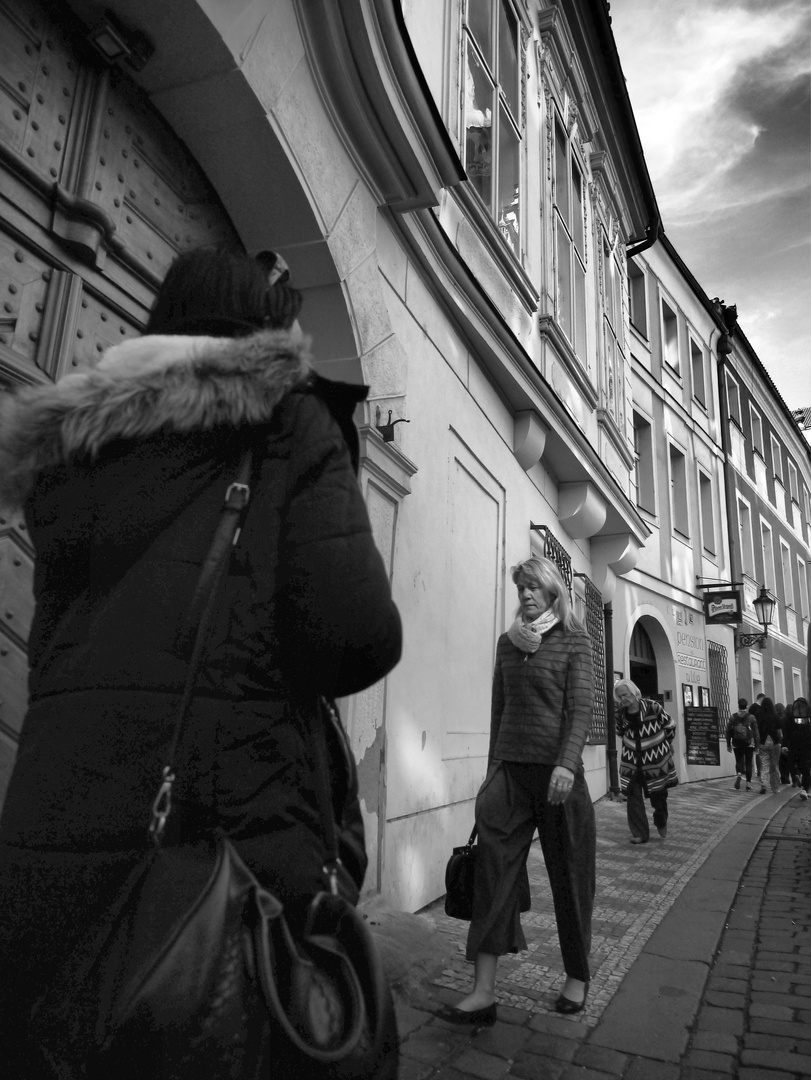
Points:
[611,725]
[724,349]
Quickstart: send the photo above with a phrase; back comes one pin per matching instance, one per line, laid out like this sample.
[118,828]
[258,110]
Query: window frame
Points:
[638,291]
[679,500]
[573,322]
[490,60]
[736,416]
[706,511]
[787,574]
[777,458]
[670,335]
[769,568]
[745,547]
[756,420]
[697,359]
[645,477]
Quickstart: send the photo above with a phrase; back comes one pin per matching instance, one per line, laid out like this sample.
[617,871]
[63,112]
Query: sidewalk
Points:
[701,957]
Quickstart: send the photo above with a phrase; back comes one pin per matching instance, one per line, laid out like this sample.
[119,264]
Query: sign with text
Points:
[722,606]
[701,735]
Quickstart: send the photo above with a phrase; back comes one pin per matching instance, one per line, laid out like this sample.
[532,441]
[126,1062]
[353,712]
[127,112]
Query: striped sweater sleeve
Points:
[578,703]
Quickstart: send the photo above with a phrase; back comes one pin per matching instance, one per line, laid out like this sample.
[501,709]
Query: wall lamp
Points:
[114,42]
[764,605]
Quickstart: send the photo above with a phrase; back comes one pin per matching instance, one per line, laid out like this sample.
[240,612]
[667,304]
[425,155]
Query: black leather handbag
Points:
[459,874]
[195,973]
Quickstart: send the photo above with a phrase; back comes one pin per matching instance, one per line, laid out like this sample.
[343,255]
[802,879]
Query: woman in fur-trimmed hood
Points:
[121,472]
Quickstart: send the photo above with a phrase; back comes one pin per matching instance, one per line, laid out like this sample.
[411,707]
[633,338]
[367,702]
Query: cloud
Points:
[720,91]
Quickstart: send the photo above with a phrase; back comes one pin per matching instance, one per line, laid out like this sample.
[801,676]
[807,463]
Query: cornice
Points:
[374,88]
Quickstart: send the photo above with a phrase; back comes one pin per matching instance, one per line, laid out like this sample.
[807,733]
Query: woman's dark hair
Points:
[767,708]
[221,292]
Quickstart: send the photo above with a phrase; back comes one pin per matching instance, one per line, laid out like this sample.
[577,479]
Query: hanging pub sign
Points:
[722,606]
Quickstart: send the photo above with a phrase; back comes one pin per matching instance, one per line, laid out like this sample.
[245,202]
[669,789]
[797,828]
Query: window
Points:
[670,337]
[570,252]
[788,584]
[745,537]
[697,365]
[779,682]
[802,587]
[643,468]
[777,459]
[767,554]
[792,484]
[797,684]
[707,512]
[613,337]
[733,400]
[757,431]
[756,666]
[678,492]
[492,112]
[636,293]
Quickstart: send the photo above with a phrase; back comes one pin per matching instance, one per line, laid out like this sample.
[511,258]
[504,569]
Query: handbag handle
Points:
[201,609]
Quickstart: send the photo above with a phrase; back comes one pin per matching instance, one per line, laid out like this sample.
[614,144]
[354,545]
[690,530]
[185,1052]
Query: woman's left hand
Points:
[560,786]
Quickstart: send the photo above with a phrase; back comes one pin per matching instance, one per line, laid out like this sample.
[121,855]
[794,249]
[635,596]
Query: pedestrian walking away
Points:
[798,743]
[771,744]
[541,707]
[743,739]
[121,471]
[646,759]
[783,761]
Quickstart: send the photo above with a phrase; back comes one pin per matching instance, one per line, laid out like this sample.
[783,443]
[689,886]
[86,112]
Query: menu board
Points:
[701,735]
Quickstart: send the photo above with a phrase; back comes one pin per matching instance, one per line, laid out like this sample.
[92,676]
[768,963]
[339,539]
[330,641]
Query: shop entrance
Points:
[642,664]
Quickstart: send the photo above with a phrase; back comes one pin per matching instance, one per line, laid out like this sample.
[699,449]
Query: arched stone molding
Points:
[581,509]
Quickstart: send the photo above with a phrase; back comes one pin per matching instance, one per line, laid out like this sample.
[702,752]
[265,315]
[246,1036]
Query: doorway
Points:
[642,664]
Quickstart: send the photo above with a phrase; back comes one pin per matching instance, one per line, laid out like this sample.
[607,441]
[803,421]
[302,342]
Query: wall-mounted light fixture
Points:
[764,605]
[387,429]
[114,42]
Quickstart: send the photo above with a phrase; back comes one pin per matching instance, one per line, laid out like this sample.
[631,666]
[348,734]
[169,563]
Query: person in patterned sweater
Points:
[541,709]
[646,761]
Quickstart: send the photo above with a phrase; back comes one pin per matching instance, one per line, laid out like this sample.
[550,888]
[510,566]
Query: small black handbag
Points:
[459,874]
[195,972]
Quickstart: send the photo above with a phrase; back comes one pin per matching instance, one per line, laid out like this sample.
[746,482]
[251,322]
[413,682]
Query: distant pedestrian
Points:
[743,740]
[646,760]
[785,775]
[771,740]
[754,709]
[798,743]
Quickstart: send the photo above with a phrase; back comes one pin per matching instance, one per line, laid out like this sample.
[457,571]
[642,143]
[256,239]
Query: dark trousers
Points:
[744,756]
[510,806]
[635,805]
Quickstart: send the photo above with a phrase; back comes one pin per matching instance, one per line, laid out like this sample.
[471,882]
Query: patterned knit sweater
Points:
[542,702]
[647,746]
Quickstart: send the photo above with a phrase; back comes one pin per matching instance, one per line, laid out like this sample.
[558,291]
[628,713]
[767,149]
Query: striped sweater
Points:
[542,702]
[647,746]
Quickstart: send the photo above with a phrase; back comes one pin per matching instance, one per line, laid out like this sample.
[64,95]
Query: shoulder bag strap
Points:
[199,615]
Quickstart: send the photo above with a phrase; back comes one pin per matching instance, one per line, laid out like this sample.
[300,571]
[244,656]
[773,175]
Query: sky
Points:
[720,90]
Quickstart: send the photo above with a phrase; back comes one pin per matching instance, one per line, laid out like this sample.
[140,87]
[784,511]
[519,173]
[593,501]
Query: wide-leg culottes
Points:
[510,806]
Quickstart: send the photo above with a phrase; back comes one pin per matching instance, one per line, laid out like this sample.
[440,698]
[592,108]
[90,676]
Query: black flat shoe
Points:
[476,1018]
[568,1007]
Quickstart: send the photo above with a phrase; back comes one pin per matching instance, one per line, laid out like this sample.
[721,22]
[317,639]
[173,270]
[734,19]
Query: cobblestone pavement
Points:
[728,1007]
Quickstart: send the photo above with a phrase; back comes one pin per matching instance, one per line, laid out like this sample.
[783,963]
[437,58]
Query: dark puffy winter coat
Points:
[122,472]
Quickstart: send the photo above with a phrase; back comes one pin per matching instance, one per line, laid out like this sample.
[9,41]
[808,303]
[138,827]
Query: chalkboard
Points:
[701,735]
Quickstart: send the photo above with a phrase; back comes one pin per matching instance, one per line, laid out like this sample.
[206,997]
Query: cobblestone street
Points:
[701,957]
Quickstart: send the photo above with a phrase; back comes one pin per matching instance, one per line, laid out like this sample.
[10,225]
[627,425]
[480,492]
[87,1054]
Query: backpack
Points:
[740,729]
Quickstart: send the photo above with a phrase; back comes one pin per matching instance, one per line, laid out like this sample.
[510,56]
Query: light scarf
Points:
[527,636]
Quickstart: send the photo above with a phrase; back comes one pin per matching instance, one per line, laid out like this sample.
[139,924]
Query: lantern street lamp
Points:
[764,605]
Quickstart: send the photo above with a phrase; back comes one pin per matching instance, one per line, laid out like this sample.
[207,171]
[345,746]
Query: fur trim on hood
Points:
[143,386]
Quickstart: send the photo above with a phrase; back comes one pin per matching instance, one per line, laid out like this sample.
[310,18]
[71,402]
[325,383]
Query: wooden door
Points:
[97,196]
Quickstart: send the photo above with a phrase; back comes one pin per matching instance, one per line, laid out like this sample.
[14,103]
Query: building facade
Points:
[663,640]
[457,186]
[769,511]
